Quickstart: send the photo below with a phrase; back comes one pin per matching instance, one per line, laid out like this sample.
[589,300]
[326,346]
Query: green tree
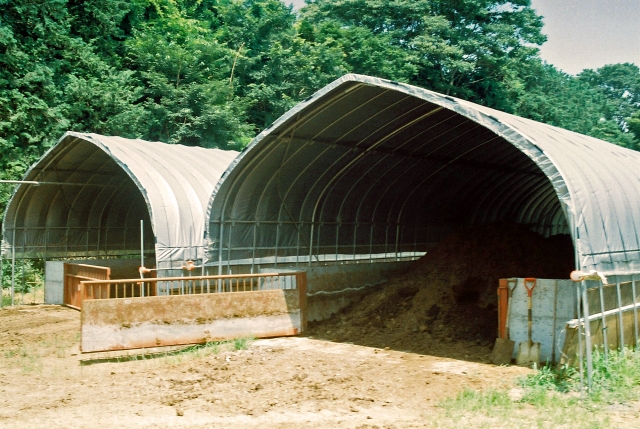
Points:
[469,48]
[274,64]
[185,73]
[620,84]
[556,98]
[633,123]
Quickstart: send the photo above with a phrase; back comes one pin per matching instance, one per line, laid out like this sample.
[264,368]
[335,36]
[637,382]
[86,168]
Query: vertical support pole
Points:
[220,254]
[311,242]
[605,330]
[301,284]
[580,330]
[397,241]
[620,321]
[635,312]
[318,244]
[299,228]
[13,266]
[554,323]
[337,239]
[229,249]
[587,334]
[275,256]
[141,255]
[1,279]
[503,305]
[253,249]
[24,283]
[46,241]
[220,238]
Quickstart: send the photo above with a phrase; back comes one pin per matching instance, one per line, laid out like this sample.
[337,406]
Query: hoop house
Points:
[369,169]
[90,192]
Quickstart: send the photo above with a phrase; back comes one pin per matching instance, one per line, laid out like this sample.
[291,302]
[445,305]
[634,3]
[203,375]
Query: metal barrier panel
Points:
[74,275]
[613,320]
[192,318]
[607,320]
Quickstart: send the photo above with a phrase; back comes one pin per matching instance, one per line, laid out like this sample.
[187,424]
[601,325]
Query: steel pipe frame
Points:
[316,111]
[344,169]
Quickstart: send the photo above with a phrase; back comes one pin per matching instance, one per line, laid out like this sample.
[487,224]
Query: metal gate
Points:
[607,319]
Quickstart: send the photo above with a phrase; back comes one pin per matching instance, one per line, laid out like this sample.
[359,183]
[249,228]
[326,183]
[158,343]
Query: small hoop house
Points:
[90,192]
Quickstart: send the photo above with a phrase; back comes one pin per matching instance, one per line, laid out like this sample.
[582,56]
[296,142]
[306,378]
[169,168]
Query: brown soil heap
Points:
[445,304]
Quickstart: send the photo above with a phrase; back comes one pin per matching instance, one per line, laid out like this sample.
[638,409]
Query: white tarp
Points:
[371,165]
[95,190]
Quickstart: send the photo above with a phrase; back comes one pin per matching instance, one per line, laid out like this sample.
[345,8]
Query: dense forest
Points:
[215,72]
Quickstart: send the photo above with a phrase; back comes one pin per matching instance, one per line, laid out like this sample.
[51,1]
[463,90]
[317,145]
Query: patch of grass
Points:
[242,343]
[549,398]
[616,379]
[535,407]
[24,357]
[490,402]
[6,299]
[542,386]
[195,351]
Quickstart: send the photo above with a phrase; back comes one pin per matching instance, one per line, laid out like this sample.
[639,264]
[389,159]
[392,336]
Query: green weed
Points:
[25,358]
[491,402]
[242,343]
[178,356]
[550,397]
[617,378]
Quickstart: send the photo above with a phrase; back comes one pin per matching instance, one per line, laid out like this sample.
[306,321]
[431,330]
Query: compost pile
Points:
[446,303]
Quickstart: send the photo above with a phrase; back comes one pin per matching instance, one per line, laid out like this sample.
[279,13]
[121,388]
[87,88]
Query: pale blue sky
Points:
[585,33]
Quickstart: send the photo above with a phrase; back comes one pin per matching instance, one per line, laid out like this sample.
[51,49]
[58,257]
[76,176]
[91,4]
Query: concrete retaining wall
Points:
[333,287]
[553,304]
[119,324]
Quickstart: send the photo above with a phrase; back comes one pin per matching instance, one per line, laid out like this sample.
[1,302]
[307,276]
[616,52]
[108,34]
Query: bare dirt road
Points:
[277,383]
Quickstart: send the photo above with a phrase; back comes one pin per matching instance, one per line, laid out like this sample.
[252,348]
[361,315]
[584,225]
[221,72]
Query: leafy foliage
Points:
[28,275]
[215,72]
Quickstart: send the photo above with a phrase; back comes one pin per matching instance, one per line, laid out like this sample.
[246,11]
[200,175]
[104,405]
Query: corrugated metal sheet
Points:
[370,165]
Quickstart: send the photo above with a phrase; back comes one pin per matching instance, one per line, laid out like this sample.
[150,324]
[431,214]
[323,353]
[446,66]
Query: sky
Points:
[584,34]
[589,33]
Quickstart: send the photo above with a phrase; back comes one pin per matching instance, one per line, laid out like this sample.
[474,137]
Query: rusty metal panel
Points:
[129,323]
[76,273]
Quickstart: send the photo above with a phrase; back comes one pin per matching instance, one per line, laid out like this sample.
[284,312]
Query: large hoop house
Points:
[369,169]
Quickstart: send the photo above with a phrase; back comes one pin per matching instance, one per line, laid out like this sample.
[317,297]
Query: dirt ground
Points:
[296,382]
[386,361]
